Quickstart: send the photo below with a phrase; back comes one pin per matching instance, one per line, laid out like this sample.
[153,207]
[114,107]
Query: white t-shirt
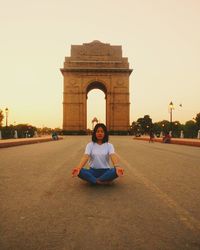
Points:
[99,154]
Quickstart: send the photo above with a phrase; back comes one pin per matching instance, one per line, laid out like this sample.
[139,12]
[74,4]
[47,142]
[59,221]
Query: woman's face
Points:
[100,133]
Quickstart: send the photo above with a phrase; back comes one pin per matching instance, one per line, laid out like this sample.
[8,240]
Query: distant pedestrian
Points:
[98,152]
[54,135]
[151,136]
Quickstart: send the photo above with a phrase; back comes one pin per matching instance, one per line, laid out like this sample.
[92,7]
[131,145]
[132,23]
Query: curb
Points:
[186,142]
[5,144]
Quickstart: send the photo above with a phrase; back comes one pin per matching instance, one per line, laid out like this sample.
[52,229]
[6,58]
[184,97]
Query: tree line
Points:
[140,127]
[145,126]
[23,130]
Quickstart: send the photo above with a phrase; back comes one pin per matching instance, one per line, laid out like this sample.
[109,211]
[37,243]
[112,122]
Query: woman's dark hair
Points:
[100,125]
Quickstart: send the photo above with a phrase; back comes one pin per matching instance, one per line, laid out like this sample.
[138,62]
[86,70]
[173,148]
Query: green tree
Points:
[190,129]
[135,129]
[145,124]
[7,132]
[157,128]
[176,129]
[44,131]
[197,119]
[162,126]
[25,130]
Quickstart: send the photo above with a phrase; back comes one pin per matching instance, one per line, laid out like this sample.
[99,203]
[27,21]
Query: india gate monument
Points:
[96,65]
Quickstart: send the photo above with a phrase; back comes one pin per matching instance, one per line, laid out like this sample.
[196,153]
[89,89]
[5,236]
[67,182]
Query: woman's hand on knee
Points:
[75,171]
[119,171]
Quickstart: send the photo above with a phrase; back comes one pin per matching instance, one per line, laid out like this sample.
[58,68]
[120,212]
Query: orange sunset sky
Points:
[160,38]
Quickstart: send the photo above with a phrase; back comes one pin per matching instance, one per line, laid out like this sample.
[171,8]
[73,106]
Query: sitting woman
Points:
[98,152]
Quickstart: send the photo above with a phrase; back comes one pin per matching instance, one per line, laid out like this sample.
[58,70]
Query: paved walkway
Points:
[180,141]
[23,141]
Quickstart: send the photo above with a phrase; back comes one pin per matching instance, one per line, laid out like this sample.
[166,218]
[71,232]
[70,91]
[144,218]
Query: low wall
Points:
[18,142]
[188,142]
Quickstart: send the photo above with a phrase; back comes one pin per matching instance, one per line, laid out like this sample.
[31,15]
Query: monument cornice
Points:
[120,70]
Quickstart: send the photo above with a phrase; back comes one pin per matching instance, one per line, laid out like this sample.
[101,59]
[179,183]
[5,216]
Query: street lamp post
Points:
[171,107]
[6,110]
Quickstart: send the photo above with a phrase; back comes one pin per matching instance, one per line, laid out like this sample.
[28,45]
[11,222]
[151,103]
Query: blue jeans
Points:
[92,175]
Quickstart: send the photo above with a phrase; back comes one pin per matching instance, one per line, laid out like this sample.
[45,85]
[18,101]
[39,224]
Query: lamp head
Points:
[171,105]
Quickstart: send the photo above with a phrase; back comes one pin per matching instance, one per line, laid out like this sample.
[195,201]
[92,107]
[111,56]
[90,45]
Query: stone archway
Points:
[100,86]
[96,65]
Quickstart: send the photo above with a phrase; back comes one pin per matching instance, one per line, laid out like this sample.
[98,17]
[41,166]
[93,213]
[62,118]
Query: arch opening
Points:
[96,85]
[96,105]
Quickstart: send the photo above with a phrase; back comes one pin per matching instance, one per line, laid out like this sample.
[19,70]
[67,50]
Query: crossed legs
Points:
[98,176]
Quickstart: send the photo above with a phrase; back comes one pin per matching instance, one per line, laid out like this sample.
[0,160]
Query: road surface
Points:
[156,205]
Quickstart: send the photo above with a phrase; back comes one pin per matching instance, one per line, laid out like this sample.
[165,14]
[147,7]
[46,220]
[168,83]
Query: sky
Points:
[161,39]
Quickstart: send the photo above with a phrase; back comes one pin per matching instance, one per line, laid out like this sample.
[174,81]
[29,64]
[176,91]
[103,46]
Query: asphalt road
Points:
[156,205]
